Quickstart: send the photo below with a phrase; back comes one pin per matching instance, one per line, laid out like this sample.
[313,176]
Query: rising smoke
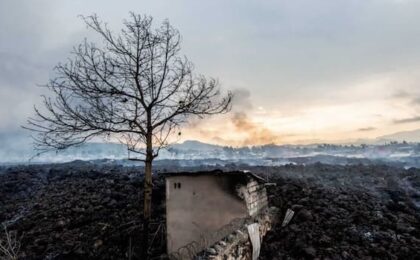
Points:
[255,134]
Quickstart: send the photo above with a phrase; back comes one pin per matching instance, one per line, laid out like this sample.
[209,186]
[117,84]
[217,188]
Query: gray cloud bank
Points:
[407,120]
[367,129]
[283,52]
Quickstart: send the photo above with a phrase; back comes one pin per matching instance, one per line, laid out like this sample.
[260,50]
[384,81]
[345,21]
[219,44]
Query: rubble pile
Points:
[341,212]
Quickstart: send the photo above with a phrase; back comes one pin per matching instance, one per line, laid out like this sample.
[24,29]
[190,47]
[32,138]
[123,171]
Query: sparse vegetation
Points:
[9,244]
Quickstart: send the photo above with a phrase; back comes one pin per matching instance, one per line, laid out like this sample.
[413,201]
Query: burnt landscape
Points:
[220,130]
[86,210]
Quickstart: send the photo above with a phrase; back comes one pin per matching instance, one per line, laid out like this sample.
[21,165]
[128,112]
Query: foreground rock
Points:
[77,214]
[341,212]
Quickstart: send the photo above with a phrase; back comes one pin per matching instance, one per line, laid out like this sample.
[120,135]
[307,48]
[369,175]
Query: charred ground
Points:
[89,210]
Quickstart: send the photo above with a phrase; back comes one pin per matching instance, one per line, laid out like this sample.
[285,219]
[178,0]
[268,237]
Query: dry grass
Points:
[9,245]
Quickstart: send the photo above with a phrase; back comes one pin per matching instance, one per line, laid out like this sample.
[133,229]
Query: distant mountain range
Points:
[194,145]
[408,136]
[15,149]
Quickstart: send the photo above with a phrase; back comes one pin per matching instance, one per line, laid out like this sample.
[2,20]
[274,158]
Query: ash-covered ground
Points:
[85,210]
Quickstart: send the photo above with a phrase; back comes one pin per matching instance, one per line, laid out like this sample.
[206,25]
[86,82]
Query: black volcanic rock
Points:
[84,211]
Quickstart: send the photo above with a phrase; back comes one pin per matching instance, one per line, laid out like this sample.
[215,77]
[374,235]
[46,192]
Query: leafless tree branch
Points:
[134,86]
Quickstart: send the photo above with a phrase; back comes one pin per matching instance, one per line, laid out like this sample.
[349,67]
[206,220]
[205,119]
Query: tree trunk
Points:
[147,196]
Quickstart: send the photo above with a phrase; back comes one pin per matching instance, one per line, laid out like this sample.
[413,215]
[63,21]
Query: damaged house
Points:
[216,215]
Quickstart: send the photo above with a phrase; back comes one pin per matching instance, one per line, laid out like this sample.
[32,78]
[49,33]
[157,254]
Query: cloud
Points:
[17,71]
[280,51]
[366,129]
[407,120]
[415,101]
[401,94]
[241,99]
[412,97]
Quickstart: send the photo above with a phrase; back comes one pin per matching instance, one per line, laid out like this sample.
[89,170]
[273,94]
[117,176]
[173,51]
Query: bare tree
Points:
[134,86]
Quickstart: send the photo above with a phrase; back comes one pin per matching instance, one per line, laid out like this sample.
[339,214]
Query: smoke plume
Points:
[255,134]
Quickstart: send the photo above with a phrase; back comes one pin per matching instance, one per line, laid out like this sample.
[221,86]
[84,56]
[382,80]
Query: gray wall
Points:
[201,206]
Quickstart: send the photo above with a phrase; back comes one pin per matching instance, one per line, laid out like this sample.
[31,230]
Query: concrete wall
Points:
[200,205]
[255,195]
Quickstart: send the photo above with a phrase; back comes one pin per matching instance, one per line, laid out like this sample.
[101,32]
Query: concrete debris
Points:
[254,236]
[244,243]
[287,217]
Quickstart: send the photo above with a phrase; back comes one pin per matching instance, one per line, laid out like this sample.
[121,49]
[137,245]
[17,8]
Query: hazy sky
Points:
[303,71]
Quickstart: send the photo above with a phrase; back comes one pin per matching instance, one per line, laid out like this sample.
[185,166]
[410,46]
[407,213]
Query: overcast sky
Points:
[303,71]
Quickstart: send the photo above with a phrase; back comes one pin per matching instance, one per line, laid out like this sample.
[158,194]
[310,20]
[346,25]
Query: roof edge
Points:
[216,172]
